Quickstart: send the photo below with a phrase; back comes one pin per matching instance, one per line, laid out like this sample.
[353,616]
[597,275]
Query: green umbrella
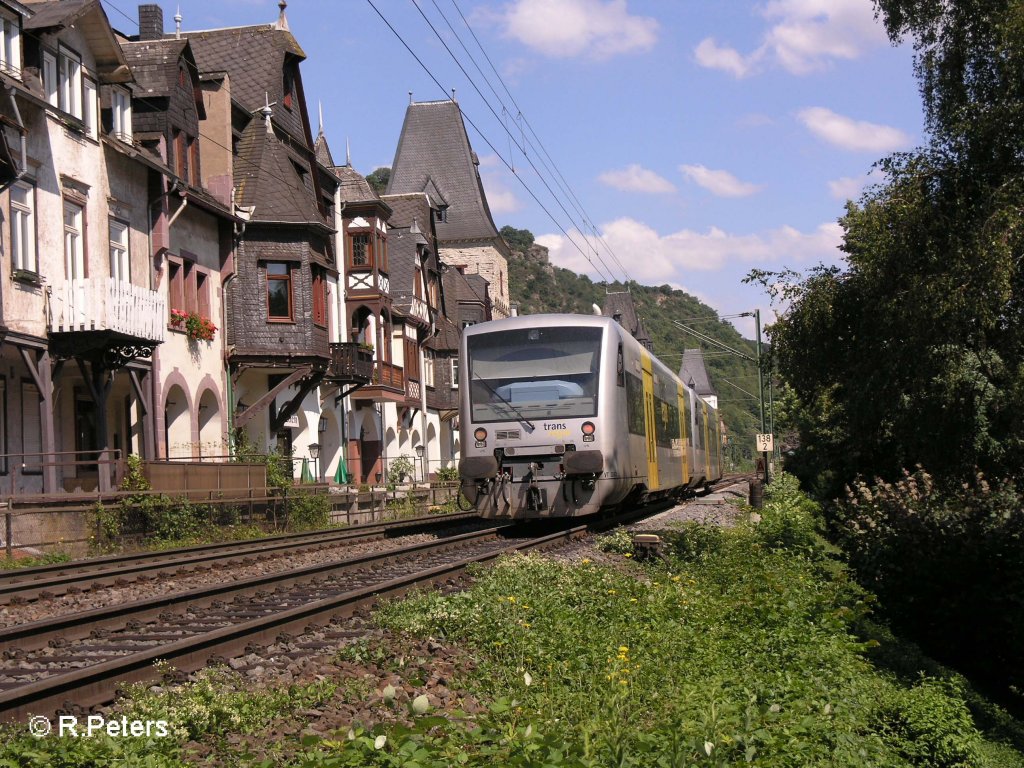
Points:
[342,476]
[307,476]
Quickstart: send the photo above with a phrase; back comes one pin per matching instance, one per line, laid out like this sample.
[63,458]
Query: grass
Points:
[746,646]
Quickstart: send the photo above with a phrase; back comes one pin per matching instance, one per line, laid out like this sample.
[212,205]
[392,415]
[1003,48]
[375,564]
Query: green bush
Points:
[947,564]
[929,724]
[693,540]
[308,511]
[789,520]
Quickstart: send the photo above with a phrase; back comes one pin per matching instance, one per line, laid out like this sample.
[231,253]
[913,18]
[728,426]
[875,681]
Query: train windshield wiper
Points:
[493,391]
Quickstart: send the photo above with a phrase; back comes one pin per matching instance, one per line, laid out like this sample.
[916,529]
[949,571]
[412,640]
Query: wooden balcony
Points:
[387,383]
[350,363]
[107,304]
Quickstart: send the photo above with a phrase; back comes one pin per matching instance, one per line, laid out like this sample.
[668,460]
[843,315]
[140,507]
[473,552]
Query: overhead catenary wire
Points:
[560,178]
[605,272]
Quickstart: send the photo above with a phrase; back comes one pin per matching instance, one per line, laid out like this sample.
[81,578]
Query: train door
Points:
[684,445]
[649,417]
[709,448]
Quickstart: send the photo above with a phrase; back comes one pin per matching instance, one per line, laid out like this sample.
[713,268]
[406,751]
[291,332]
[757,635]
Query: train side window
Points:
[620,368]
[635,405]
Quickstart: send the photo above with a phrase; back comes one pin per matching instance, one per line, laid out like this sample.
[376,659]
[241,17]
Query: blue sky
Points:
[699,139]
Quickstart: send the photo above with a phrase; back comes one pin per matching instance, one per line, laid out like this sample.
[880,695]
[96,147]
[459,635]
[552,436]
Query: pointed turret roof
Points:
[268,178]
[434,156]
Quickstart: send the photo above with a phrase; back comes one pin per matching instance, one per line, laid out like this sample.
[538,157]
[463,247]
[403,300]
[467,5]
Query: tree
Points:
[378,180]
[517,239]
[912,354]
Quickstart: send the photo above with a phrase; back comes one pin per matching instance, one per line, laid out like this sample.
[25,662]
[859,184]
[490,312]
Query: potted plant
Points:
[199,328]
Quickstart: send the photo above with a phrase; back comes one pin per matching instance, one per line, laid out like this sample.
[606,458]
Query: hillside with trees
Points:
[538,286]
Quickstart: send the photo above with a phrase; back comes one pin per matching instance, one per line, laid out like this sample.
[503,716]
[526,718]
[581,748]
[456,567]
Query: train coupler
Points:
[536,499]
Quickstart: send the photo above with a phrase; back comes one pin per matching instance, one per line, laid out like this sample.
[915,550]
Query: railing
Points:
[412,389]
[368,281]
[388,375]
[108,304]
[350,362]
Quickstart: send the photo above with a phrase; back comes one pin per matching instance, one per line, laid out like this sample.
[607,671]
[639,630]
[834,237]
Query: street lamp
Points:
[419,460]
[314,454]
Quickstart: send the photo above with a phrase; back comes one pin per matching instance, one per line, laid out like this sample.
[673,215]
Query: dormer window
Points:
[121,114]
[62,78]
[288,87]
[10,45]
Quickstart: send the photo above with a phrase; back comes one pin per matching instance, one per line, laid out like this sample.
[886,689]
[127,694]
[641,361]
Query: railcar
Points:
[568,415]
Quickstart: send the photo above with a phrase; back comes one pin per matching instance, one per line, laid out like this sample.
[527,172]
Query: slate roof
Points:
[266,178]
[322,151]
[255,59]
[154,64]
[621,305]
[448,334]
[55,13]
[354,187]
[408,228]
[434,155]
[693,372]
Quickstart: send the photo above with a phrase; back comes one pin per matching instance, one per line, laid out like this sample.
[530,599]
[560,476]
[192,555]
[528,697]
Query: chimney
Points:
[151,22]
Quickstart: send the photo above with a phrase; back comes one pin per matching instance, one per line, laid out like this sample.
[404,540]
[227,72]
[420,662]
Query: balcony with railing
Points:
[123,310]
[387,383]
[350,362]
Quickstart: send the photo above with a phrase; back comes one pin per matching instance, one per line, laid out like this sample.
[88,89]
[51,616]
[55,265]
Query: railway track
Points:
[43,582]
[83,657]
[73,662]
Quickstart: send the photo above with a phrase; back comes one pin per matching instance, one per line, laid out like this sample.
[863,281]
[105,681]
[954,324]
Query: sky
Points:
[679,142]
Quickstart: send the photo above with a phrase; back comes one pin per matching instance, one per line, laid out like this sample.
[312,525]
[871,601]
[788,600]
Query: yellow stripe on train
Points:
[652,439]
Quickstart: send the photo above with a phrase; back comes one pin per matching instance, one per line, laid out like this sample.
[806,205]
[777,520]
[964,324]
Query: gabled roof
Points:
[91,20]
[254,56]
[267,178]
[434,156]
[448,334]
[694,373]
[621,307]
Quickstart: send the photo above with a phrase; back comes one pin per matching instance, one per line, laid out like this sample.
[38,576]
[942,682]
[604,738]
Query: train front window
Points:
[534,373]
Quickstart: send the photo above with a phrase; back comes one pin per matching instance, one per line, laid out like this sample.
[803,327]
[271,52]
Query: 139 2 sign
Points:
[765,443]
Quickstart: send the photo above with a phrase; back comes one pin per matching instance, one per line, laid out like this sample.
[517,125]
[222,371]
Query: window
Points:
[120,267]
[23,227]
[31,429]
[188,288]
[121,113]
[10,45]
[635,405]
[63,82]
[69,73]
[455,373]
[361,250]
[89,109]
[74,253]
[50,78]
[180,158]
[279,291]
[319,296]
[534,373]
[428,367]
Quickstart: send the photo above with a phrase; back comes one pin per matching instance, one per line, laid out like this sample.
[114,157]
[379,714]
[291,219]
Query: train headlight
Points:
[588,429]
[481,437]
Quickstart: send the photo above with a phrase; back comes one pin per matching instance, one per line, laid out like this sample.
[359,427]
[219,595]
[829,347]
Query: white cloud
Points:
[847,133]
[653,258]
[569,28]
[635,178]
[712,56]
[500,199]
[804,36]
[721,183]
[851,187]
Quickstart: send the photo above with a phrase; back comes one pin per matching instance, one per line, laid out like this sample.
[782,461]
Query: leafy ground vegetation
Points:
[745,646]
